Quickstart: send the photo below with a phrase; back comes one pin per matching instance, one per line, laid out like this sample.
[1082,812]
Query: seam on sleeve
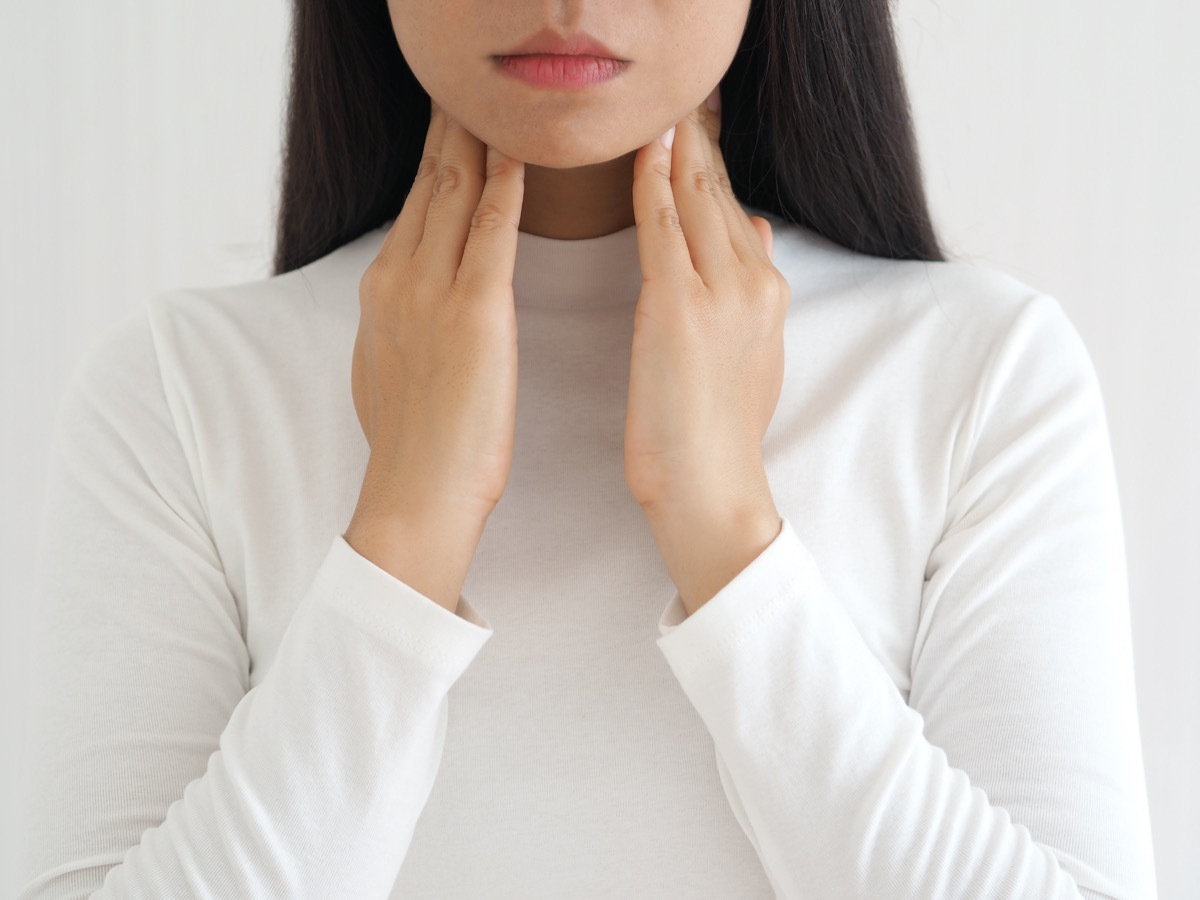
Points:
[982,400]
[174,416]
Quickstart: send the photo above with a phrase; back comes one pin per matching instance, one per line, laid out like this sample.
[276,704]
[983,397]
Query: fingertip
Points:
[668,137]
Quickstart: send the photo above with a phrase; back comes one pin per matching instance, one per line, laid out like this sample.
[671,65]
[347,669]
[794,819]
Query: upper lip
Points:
[549,41]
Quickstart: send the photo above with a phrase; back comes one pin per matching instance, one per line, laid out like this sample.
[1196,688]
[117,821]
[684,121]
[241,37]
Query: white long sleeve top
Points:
[923,688]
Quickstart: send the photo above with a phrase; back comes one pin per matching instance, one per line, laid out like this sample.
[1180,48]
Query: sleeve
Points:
[153,771]
[1015,768]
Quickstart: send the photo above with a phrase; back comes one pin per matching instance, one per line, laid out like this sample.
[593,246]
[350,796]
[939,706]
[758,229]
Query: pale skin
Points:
[707,356]
[578,146]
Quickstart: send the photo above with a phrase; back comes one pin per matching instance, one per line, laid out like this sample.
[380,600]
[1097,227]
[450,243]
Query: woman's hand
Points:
[434,373]
[707,360]
[707,363]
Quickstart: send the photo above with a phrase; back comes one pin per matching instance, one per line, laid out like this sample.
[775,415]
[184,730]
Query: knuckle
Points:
[763,284]
[661,170]
[783,287]
[384,285]
[427,168]
[702,181]
[449,177]
[489,219]
[667,217]
[766,281]
[371,282]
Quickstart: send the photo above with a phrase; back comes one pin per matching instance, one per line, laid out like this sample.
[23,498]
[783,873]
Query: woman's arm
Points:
[154,771]
[1015,769]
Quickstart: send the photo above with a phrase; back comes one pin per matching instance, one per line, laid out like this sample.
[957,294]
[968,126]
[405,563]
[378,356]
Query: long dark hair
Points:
[816,127]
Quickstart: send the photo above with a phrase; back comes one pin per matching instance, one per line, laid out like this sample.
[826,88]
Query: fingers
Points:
[491,248]
[460,220]
[765,235]
[457,187]
[743,235]
[695,190]
[687,195]
[662,251]
[400,243]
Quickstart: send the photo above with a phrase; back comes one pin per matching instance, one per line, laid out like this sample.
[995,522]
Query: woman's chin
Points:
[565,157]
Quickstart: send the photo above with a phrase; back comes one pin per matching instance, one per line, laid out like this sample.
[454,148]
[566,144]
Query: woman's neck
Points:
[585,202]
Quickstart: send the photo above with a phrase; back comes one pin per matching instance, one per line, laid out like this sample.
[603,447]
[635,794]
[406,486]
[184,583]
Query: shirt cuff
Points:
[740,608]
[386,606]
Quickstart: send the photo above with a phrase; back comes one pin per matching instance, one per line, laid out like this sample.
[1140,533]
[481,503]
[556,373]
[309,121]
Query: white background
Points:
[140,151]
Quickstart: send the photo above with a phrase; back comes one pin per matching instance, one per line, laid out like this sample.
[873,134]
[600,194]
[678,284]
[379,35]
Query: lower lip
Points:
[554,70]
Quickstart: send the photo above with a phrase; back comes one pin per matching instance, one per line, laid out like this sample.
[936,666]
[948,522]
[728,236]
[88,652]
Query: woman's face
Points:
[678,50]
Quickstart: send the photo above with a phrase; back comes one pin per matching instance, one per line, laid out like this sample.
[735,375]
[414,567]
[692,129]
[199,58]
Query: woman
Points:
[866,495]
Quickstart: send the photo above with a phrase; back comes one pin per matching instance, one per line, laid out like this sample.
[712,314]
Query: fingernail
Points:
[668,137]
[714,99]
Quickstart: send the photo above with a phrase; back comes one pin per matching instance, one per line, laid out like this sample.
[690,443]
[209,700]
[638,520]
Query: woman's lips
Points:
[549,41]
[560,70]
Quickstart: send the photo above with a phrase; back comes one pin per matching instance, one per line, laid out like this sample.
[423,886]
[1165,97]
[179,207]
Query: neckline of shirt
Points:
[584,273]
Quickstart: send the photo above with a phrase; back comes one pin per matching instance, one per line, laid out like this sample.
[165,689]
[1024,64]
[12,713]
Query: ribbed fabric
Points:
[923,688]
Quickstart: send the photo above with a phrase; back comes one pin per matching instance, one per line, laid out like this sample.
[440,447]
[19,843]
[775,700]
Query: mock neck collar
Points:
[577,274]
[587,273]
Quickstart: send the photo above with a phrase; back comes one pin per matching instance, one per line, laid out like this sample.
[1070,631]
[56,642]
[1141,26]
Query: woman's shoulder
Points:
[954,306]
[273,308]
[200,348]
[298,322]
[323,290]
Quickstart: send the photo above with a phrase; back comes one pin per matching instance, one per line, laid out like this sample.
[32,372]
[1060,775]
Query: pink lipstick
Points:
[549,60]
